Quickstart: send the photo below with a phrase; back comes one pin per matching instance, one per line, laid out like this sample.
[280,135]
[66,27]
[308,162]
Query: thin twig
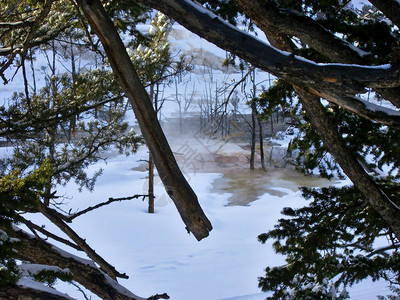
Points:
[33,227]
[104,265]
[110,200]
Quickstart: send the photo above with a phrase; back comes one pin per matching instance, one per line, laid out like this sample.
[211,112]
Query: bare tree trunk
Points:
[253,136]
[272,124]
[151,161]
[260,133]
[175,183]
[151,185]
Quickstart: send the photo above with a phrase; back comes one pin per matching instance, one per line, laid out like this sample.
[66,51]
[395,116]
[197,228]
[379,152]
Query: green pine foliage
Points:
[228,10]
[279,96]
[335,241]
[17,193]
[69,122]
[60,128]
[153,58]
[9,273]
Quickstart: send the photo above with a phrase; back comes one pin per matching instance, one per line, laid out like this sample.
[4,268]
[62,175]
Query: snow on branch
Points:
[296,70]
[368,110]
[29,289]
[84,271]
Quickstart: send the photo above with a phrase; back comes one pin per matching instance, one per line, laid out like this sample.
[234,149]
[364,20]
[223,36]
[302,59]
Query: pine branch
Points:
[34,227]
[84,271]
[56,220]
[383,250]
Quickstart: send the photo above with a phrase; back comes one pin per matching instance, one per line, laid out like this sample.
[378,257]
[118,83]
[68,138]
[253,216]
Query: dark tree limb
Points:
[175,183]
[33,227]
[81,243]
[390,8]
[158,296]
[332,140]
[87,274]
[349,78]
[364,109]
[18,292]
[270,17]
[329,79]
[277,24]
[18,24]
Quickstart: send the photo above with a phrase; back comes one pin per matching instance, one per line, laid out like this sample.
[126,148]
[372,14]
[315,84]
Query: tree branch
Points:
[84,272]
[327,79]
[365,109]
[104,265]
[390,8]
[297,70]
[33,227]
[110,200]
[15,292]
[277,24]
[270,17]
[383,250]
[175,183]
[34,26]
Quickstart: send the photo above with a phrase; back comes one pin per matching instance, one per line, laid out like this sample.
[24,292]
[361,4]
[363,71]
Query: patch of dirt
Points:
[247,186]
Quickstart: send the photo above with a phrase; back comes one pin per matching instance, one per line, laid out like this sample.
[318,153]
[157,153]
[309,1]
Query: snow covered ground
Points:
[155,250]
[160,256]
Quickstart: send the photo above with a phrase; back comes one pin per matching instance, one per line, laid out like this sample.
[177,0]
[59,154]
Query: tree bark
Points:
[261,138]
[85,273]
[17,292]
[390,8]
[253,135]
[280,23]
[338,82]
[151,185]
[175,183]
[388,210]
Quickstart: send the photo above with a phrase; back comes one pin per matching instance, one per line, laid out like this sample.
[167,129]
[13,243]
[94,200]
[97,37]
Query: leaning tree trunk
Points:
[329,135]
[388,210]
[175,183]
